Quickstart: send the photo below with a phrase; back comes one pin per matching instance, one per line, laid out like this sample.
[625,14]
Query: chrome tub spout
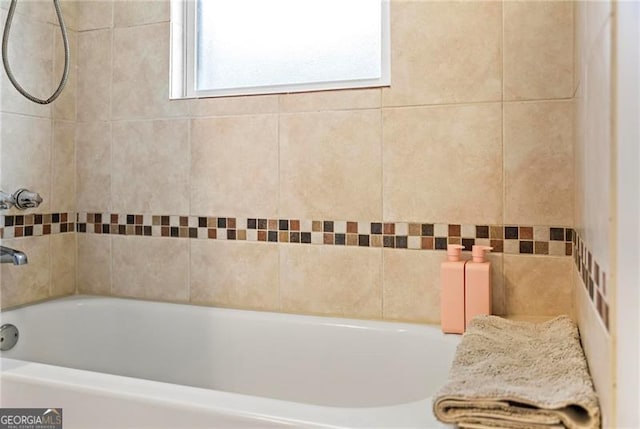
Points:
[12,256]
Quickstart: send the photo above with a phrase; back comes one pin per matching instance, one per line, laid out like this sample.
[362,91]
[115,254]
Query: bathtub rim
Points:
[329,320]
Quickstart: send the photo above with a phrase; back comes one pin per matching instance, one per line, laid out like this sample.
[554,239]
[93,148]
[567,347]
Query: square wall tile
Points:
[538,50]
[26,283]
[150,171]
[65,105]
[93,15]
[31,71]
[229,106]
[411,287]
[579,23]
[595,146]
[94,264]
[63,180]
[150,268]
[444,52]
[443,164]
[127,13]
[538,285]
[94,76]
[331,281]
[93,166]
[235,274]
[63,264]
[538,151]
[234,166]
[330,165]
[140,82]
[25,157]
[33,10]
[69,12]
[330,100]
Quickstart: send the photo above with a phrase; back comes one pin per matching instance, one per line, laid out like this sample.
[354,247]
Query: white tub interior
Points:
[309,361]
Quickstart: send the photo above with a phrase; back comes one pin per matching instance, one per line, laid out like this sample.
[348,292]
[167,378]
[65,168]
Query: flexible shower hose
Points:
[5,57]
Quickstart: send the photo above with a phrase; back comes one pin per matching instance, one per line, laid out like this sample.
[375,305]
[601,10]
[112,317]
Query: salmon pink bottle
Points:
[477,284]
[452,293]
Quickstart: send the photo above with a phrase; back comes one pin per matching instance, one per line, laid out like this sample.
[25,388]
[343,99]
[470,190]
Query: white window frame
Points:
[183,67]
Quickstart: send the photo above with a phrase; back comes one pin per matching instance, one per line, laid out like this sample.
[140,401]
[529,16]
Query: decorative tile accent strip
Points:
[593,277]
[28,225]
[512,239]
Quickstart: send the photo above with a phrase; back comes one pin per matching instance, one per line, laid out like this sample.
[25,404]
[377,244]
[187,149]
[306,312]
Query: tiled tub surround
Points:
[594,279]
[37,151]
[370,274]
[370,260]
[49,241]
[539,240]
[478,132]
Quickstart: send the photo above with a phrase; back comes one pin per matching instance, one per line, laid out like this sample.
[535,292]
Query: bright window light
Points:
[239,47]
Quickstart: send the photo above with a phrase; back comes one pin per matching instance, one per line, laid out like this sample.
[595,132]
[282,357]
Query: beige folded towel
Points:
[519,375]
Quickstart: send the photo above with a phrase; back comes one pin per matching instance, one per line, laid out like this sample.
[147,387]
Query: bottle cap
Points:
[454,252]
[477,252]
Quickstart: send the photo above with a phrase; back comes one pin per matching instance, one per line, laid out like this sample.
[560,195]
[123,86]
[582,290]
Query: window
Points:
[239,47]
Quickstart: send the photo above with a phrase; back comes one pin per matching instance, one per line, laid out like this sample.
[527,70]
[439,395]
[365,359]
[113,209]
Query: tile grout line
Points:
[52,126]
[382,274]
[502,147]
[110,122]
[189,246]
[278,125]
[383,108]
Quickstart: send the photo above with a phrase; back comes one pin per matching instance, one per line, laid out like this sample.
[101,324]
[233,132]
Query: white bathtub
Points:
[118,363]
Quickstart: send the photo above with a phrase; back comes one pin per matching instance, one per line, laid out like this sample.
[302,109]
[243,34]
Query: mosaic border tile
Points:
[511,239]
[38,224]
[593,278]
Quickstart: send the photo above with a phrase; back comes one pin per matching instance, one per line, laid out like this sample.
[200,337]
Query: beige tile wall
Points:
[328,280]
[538,50]
[330,165]
[537,285]
[437,146]
[153,155]
[594,27]
[445,52]
[94,264]
[155,268]
[235,274]
[94,75]
[434,153]
[37,148]
[93,166]
[538,162]
[246,145]
[407,293]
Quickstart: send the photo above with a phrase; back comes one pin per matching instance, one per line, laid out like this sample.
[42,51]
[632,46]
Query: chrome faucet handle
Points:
[25,199]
